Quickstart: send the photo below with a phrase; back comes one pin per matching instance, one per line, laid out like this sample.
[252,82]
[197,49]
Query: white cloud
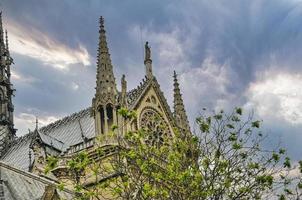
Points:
[74,86]
[38,45]
[25,121]
[207,85]
[277,95]
[17,77]
[202,86]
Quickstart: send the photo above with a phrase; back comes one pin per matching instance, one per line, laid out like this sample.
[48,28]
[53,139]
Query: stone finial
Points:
[37,123]
[124,91]
[179,108]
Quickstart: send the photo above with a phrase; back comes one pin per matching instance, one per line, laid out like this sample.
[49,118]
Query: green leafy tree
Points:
[224,159]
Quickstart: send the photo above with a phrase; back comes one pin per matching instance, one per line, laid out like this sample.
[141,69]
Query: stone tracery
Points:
[158,129]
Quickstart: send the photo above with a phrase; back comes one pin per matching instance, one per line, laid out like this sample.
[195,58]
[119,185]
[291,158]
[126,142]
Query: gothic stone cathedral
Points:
[23,159]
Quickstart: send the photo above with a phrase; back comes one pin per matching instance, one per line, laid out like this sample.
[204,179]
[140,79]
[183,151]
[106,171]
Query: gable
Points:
[152,98]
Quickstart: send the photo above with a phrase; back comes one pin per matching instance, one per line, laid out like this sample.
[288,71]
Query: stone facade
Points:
[79,131]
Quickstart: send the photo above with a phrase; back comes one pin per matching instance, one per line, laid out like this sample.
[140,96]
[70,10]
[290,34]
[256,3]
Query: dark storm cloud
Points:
[220,49]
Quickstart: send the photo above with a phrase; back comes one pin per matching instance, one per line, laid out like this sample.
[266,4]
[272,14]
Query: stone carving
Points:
[147,52]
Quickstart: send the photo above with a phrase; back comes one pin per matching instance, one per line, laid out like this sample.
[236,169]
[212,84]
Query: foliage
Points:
[224,159]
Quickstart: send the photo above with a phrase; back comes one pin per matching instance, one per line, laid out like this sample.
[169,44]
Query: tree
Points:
[224,159]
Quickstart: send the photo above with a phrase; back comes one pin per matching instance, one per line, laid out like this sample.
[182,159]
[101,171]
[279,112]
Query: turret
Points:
[179,108]
[104,104]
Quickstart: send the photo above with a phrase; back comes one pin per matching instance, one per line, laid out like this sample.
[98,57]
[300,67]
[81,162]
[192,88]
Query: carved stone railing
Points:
[104,141]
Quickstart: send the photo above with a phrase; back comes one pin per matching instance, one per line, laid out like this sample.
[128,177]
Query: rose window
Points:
[157,129]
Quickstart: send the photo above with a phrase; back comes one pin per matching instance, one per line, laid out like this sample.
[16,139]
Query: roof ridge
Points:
[63,120]
[133,94]
[51,137]
[46,180]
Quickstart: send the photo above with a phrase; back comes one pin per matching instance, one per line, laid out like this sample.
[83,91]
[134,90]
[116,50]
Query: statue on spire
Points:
[148,61]
[147,52]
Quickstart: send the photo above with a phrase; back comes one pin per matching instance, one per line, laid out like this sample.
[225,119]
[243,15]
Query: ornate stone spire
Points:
[105,102]
[7,131]
[179,108]
[148,61]
[105,81]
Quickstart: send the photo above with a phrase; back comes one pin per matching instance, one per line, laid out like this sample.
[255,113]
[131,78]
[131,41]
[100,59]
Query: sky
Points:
[245,53]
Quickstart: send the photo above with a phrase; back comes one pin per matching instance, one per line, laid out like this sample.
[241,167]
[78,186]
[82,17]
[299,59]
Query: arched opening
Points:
[109,110]
[102,119]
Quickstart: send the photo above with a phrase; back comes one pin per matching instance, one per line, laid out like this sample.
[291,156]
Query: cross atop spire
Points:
[102,39]
[102,27]
[179,108]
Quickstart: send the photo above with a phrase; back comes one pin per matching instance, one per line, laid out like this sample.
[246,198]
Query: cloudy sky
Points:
[228,53]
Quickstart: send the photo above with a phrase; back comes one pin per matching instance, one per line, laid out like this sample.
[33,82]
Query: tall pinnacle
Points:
[106,90]
[9,59]
[2,46]
[179,108]
[6,93]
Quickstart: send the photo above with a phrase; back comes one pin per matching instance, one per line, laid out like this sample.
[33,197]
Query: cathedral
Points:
[23,159]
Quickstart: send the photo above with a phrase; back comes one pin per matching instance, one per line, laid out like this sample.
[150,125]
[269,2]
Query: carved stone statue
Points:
[147,52]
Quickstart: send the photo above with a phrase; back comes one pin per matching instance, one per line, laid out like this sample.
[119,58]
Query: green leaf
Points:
[238,111]
[61,186]
[287,163]
[282,197]
[300,166]
[256,124]
[276,157]
[218,116]
[114,127]
[230,126]
[236,146]
[282,151]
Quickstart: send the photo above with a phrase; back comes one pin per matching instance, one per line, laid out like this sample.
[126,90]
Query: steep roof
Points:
[21,185]
[61,134]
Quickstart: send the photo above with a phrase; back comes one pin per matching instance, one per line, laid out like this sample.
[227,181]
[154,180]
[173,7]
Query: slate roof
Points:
[60,135]
[134,94]
[17,184]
